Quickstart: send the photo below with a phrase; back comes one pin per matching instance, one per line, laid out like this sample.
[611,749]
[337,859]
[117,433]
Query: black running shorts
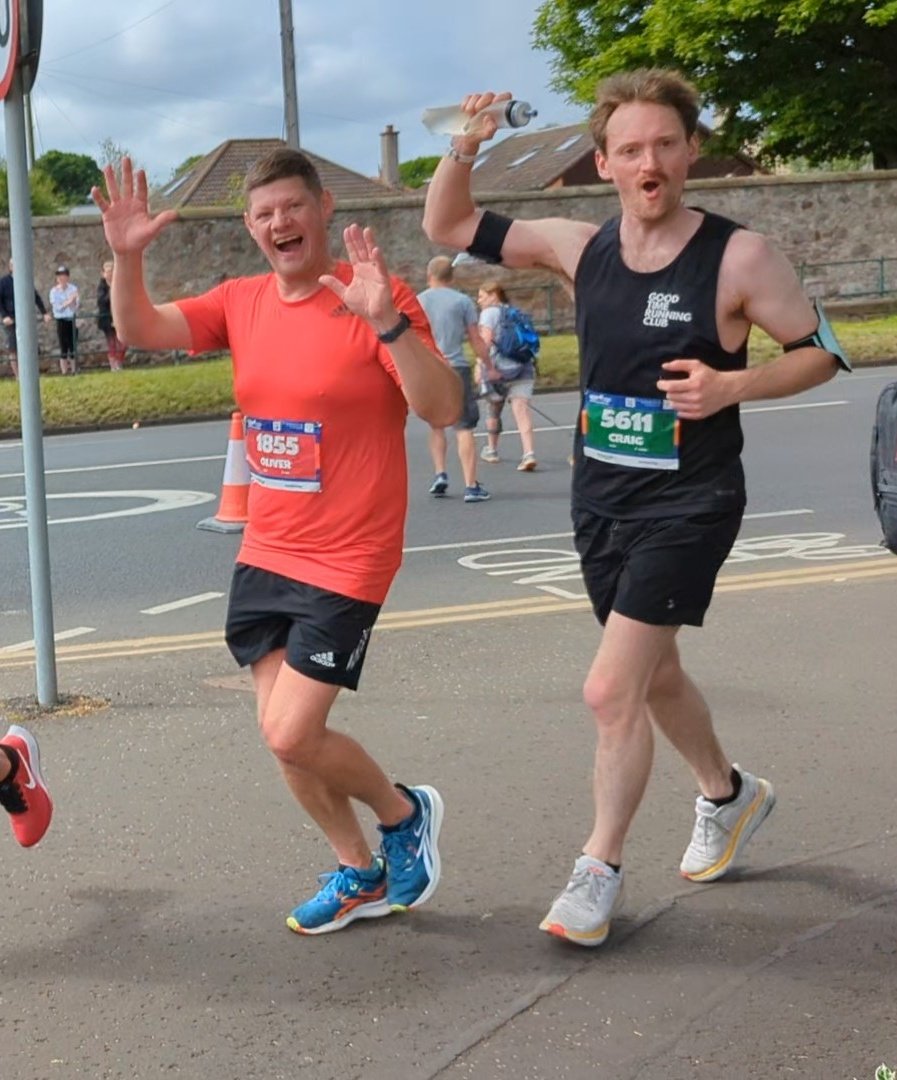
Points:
[659,571]
[325,634]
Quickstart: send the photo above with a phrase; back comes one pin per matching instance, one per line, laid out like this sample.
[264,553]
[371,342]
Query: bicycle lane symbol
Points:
[556,571]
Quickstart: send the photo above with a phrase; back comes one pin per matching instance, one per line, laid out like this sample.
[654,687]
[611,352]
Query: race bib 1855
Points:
[284,454]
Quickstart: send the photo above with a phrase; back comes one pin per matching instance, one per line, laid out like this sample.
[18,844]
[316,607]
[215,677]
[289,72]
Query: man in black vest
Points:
[665,298]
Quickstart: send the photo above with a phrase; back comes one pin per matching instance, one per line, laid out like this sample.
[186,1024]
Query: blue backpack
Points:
[515,336]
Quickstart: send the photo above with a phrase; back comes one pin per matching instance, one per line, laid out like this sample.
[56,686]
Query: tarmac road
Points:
[144,937]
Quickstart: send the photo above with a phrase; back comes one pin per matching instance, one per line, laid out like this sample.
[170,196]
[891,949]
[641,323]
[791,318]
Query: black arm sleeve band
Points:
[822,338]
[489,237]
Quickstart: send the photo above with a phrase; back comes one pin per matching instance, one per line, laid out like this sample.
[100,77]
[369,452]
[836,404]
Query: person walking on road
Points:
[665,298]
[453,320]
[515,382]
[327,355]
[23,792]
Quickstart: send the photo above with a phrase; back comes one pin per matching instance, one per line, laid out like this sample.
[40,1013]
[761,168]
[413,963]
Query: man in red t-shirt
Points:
[327,357]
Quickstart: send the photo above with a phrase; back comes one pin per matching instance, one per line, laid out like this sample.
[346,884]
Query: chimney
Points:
[389,157]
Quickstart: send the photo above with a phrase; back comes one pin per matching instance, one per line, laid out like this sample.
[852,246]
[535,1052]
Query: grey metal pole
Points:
[288,56]
[29,393]
[29,134]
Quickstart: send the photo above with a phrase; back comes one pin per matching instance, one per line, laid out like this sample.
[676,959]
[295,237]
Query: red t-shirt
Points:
[324,419]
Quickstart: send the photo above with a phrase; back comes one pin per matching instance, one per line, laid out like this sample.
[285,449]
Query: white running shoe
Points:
[721,832]
[583,911]
[490,455]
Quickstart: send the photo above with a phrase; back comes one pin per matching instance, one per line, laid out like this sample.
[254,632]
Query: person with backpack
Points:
[508,333]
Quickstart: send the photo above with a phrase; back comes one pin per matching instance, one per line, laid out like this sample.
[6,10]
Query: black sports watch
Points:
[389,336]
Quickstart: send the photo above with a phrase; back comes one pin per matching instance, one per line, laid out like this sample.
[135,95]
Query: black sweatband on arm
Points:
[489,237]
[823,337]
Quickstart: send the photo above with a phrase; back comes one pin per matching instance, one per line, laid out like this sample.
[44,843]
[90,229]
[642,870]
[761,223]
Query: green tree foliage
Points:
[185,165]
[44,197]
[416,172]
[73,175]
[791,78]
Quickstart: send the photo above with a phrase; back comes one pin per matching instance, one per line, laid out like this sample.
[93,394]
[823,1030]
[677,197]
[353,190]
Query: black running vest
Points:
[628,324]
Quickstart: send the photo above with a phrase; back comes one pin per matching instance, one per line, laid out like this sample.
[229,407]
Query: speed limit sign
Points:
[9,43]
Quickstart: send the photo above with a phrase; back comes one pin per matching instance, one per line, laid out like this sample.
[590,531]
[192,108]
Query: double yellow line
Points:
[824,574]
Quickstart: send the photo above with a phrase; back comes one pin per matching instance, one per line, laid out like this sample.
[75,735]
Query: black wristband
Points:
[489,237]
[389,336]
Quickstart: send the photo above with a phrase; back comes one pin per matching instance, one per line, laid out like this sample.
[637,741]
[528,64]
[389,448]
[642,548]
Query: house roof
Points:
[216,179]
[555,156]
[532,160]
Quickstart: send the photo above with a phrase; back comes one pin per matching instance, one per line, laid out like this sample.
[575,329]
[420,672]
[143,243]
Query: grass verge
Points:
[203,387]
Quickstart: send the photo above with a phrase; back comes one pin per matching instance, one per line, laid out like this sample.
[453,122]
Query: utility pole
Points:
[29,134]
[288,56]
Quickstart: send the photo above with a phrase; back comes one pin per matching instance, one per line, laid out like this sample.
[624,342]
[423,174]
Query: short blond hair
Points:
[655,86]
[440,269]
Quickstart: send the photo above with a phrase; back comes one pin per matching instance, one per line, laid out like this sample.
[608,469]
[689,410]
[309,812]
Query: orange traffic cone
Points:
[233,510]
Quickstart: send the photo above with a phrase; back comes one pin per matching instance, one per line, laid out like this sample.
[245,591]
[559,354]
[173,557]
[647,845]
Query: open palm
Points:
[369,293]
[127,222]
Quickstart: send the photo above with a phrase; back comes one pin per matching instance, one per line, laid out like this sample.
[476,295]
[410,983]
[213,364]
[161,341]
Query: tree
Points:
[809,78]
[185,165]
[111,153]
[416,172]
[72,175]
[44,198]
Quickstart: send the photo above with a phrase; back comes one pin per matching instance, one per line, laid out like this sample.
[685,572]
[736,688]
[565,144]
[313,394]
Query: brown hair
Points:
[440,269]
[656,86]
[281,164]
[495,288]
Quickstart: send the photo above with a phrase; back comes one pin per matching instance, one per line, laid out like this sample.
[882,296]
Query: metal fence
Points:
[850,279]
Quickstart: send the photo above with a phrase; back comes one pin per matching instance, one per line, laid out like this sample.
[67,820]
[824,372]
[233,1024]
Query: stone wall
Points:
[842,227]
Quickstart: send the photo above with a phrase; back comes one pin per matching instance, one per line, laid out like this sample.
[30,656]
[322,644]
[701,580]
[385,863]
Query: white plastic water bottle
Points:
[453,120]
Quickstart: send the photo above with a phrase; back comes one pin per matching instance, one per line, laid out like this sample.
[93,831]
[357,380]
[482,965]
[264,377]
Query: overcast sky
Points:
[169,78]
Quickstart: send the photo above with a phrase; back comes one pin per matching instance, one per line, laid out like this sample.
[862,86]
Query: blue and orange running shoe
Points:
[410,851]
[346,895]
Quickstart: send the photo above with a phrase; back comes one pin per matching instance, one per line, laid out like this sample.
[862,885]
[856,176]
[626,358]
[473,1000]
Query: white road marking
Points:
[200,598]
[790,408]
[561,535]
[119,465]
[157,501]
[63,635]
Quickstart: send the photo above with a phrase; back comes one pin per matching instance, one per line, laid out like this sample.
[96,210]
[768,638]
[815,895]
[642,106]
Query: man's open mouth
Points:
[288,243]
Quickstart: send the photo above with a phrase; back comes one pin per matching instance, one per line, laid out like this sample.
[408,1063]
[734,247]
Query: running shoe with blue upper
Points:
[411,852]
[346,895]
[440,484]
[476,493]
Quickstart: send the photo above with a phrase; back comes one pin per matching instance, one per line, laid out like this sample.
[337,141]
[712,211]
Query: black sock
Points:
[736,790]
[13,763]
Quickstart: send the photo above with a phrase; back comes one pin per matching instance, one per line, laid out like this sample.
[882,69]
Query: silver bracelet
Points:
[462,159]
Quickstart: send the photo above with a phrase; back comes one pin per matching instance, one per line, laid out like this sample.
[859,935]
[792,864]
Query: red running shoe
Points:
[23,793]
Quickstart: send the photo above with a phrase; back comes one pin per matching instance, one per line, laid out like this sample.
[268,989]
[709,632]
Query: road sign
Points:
[32,14]
[9,43]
